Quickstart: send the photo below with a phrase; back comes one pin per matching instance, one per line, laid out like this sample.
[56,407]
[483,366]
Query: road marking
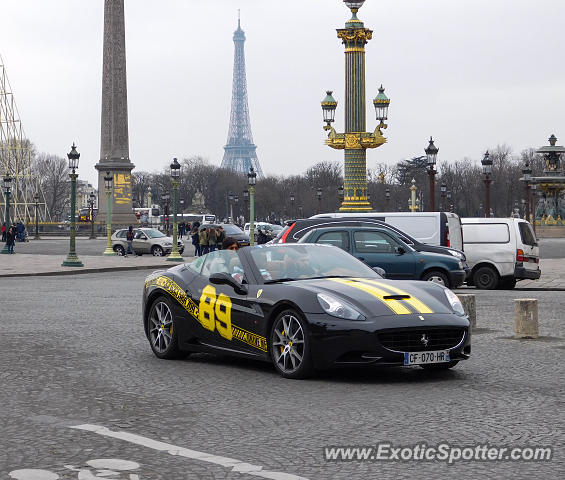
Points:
[33,474]
[235,465]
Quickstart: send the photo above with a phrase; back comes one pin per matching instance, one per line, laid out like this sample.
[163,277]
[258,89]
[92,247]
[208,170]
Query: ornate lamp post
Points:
[174,256]
[7,190]
[72,259]
[300,212]
[230,199]
[165,197]
[236,202]
[319,196]
[292,205]
[527,172]
[340,194]
[251,180]
[443,193]
[246,200]
[486,162]
[369,200]
[355,141]
[92,201]
[36,198]
[431,154]
[108,187]
[448,196]
[387,198]
[413,205]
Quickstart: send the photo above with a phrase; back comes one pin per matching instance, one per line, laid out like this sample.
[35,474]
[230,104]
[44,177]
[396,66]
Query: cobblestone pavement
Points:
[74,353]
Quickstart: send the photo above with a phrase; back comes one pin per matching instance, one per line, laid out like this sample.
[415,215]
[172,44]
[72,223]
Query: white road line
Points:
[235,465]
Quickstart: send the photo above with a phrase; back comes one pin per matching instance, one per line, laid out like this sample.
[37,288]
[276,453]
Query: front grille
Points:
[413,340]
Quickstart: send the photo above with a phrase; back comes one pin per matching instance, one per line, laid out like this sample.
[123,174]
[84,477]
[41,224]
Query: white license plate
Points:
[423,358]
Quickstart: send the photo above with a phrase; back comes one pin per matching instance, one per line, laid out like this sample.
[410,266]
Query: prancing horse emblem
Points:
[424,340]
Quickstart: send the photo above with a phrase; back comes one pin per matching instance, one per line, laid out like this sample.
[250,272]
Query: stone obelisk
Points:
[114,144]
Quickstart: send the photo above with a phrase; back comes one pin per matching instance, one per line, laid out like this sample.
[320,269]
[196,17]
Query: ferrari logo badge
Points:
[424,340]
[259,292]
[420,317]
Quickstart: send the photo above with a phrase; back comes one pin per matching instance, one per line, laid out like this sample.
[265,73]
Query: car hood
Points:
[378,297]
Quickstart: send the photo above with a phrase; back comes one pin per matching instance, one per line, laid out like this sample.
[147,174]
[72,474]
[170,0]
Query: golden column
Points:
[355,141]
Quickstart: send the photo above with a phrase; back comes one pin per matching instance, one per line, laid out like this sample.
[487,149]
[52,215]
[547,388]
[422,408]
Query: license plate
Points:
[423,358]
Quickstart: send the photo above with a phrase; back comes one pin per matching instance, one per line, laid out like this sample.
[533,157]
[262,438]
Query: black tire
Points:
[486,278]
[507,283]
[290,346]
[161,329]
[121,251]
[440,366]
[437,276]
[157,251]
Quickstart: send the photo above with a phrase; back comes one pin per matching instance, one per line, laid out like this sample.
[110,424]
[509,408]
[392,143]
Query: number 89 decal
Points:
[214,312]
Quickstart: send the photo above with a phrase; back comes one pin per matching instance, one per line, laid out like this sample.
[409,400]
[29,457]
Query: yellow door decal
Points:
[211,304]
[394,305]
[418,305]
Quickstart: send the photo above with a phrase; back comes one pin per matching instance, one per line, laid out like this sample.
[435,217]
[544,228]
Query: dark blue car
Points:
[381,247]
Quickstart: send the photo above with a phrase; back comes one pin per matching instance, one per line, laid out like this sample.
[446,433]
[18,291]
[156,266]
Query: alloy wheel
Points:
[288,344]
[161,327]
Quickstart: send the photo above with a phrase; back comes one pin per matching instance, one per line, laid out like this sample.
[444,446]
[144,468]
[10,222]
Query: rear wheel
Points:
[485,278]
[440,366]
[161,329]
[119,250]
[157,251]
[437,276]
[290,347]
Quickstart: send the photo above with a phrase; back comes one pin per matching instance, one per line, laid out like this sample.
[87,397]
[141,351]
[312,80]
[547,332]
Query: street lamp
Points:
[108,187]
[36,198]
[319,195]
[387,198]
[236,202]
[355,140]
[534,188]
[527,172]
[486,162]
[72,259]
[174,256]
[431,154]
[230,199]
[7,189]
[340,194]
[165,197]
[92,202]
[246,201]
[292,205]
[443,190]
[448,196]
[413,205]
[251,180]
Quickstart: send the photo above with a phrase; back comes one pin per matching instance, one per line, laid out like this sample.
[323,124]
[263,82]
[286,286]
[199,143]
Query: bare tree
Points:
[54,181]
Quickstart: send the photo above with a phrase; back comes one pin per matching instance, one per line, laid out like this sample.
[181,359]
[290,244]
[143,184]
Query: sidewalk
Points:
[24,264]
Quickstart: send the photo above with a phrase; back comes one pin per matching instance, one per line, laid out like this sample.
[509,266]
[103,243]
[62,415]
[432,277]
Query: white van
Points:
[500,251]
[433,228]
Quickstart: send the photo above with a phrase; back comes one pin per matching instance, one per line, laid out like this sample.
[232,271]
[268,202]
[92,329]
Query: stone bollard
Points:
[526,318]
[468,301]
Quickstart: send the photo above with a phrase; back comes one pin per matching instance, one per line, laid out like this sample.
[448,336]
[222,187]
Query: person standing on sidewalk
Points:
[11,239]
[195,241]
[129,238]
[4,232]
[212,239]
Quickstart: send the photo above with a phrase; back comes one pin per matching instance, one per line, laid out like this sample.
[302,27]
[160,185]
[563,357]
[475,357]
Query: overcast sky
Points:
[472,73]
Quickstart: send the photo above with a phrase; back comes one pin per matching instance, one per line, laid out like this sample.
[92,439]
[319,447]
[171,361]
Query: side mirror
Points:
[226,279]
[400,250]
[380,271]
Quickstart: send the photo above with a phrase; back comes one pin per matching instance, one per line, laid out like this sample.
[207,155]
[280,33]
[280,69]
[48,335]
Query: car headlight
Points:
[454,302]
[460,265]
[167,244]
[457,254]
[338,308]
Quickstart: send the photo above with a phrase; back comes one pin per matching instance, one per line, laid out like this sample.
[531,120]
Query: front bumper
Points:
[457,277]
[521,273]
[336,342]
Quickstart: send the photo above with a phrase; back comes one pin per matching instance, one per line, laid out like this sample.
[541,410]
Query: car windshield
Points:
[231,229]
[285,262]
[153,233]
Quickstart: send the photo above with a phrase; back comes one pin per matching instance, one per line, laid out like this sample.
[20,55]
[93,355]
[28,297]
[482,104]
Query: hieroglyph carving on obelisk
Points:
[114,142]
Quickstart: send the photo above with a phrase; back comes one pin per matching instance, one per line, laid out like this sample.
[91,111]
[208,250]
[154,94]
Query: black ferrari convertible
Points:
[303,307]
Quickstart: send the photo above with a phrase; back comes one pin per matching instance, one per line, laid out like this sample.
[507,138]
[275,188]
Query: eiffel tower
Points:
[239,152]
[15,160]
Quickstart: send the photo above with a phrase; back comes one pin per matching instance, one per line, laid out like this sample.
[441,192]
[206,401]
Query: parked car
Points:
[270,229]
[234,231]
[379,246]
[500,251]
[145,240]
[433,228]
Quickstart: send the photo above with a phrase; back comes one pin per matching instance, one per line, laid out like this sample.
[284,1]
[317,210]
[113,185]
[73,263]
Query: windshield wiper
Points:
[278,280]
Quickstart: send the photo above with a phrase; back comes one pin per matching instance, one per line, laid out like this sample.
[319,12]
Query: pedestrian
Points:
[3,228]
[212,238]
[181,229]
[220,237]
[195,241]
[20,231]
[129,238]
[11,239]
[262,237]
[203,238]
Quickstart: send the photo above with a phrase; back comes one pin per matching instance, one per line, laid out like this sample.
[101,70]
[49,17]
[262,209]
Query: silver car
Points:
[145,240]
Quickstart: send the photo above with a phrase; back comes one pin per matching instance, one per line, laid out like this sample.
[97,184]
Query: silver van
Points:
[500,251]
[433,228]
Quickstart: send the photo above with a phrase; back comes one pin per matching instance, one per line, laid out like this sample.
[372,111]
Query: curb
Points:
[81,272]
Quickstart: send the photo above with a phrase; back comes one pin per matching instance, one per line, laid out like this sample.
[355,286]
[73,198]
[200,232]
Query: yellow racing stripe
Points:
[394,305]
[415,303]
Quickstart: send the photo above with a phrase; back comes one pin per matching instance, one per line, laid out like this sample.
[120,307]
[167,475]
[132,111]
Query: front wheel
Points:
[161,329]
[440,366]
[290,346]
[157,251]
[436,276]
